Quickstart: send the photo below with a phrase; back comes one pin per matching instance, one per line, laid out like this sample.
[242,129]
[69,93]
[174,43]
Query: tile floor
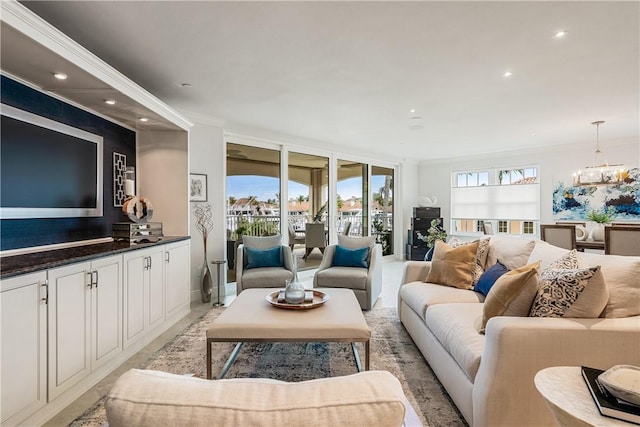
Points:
[391,275]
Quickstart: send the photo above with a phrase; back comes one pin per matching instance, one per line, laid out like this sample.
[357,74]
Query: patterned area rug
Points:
[391,349]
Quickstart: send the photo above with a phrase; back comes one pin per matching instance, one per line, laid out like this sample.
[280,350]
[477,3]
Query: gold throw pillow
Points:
[512,294]
[453,266]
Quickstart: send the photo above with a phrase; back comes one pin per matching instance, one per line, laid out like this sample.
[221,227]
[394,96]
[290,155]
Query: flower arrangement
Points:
[603,216]
[435,232]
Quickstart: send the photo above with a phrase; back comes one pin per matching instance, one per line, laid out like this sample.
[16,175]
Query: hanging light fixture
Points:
[602,173]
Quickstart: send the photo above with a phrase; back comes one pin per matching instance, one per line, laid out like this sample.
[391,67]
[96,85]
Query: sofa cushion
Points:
[262,242]
[456,327]
[489,278]
[578,292]
[453,266]
[265,277]
[419,296]
[513,252]
[150,398]
[342,277]
[345,257]
[622,277]
[259,258]
[546,254]
[512,294]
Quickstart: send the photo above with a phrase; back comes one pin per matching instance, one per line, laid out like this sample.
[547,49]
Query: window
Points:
[472,179]
[508,197]
[518,176]
[528,227]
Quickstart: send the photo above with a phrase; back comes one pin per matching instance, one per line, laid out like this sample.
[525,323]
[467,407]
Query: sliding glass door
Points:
[352,198]
[382,207]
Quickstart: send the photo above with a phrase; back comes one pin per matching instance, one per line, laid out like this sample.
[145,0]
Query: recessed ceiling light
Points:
[110,101]
[533,134]
[144,119]
[60,76]
[560,34]
[507,74]
[413,110]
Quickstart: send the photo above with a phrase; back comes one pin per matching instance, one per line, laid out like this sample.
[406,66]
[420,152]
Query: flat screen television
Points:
[48,169]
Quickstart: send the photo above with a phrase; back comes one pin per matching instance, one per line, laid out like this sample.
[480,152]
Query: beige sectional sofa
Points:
[490,376]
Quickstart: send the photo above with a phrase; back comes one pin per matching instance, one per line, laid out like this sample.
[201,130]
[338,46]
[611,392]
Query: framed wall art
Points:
[198,187]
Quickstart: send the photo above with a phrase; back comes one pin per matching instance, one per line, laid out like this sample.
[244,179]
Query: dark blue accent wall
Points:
[22,233]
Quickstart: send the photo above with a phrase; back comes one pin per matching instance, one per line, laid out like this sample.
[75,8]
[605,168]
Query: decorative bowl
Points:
[622,381]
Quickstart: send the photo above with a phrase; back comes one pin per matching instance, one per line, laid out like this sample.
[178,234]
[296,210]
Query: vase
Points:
[206,287]
[597,233]
[294,291]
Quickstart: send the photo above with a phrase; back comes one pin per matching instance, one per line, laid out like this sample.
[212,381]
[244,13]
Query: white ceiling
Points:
[348,73]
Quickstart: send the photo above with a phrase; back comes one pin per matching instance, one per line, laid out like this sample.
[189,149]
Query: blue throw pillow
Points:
[489,277]
[259,258]
[345,257]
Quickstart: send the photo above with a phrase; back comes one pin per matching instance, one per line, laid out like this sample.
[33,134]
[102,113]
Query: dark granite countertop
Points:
[28,263]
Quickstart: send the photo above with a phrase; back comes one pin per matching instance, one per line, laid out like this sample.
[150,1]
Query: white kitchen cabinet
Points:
[143,292]
[177,267]
[84,327]
[23,329]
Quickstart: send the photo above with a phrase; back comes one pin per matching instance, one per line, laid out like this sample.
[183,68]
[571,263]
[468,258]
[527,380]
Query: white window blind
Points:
[510,202]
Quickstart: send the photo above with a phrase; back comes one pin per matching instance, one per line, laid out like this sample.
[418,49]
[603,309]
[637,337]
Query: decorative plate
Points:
[319,298]
[623,381]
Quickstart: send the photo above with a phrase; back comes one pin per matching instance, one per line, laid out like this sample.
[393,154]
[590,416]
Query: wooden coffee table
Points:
[251,318]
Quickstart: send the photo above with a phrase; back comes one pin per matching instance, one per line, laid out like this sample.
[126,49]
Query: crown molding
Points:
[30,24]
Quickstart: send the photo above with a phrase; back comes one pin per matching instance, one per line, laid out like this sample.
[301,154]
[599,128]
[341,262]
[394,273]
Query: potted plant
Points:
[600,217]
[435,232]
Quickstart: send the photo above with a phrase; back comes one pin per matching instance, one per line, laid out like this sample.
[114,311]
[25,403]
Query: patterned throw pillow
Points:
[481,256]
[573,293]
[453,266]
[567,261]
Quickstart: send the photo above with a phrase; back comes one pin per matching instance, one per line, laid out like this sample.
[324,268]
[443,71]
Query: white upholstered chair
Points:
[622,240]
[294,238]
[262,276]
[487,227]
[366,283]
[560,235]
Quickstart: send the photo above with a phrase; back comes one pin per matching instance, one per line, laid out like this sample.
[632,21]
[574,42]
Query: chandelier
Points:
[602,173]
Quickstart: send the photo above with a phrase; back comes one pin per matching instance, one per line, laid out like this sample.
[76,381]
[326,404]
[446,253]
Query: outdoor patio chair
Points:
[294,238]
[263,262]
[315,237]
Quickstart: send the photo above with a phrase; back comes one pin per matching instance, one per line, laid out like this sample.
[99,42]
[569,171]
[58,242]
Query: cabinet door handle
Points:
[46,293]
[96,282]
[149,263]
[167,256]
[90,274]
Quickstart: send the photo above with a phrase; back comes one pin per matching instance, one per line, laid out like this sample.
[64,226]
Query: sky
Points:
[265,188]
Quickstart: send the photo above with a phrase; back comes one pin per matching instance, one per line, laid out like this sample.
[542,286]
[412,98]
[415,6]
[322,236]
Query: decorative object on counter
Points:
[197,187]
[581,233]
[136,232]
[204,224]
[294,290]
[219,300]
[425,201]
[138,209]
[601,217]
[119,167]
[130,181]
[623,381]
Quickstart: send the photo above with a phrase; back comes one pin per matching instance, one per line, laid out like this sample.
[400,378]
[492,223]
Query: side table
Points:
[220,300]
[569,400]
